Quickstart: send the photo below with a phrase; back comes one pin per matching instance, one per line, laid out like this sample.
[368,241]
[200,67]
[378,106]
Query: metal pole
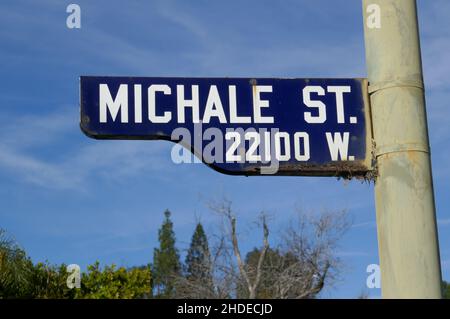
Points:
[406,221]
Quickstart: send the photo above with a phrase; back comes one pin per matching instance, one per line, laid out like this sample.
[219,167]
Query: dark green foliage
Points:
[274,263]
[277,269]
[15,269]
[198,280]
[50,282]
[198,259]
[166,261]
[445,290]
[20,278]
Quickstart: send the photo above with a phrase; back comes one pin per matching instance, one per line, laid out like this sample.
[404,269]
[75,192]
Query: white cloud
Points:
[32,130]
[34,170]
[182,19]
[71,162]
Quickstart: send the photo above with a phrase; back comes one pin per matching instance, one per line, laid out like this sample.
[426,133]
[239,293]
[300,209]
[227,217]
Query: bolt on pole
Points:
[406,220]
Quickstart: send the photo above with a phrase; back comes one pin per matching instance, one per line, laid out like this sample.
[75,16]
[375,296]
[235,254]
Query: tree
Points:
[300,266]
[15,269]
[309,246]
[50,282]
[197,281]
[166,260]
[20,278]
[445,290]
[272,262]
[198,259]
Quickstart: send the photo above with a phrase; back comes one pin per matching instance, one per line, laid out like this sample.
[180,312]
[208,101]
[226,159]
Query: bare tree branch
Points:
[300,266]
[261,257]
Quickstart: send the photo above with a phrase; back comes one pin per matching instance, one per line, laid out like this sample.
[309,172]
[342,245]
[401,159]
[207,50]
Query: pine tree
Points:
[198,259]
[166,260]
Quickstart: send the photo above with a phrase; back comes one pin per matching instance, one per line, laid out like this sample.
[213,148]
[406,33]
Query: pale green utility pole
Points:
[406,220]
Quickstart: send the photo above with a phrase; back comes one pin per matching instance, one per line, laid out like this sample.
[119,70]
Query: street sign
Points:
[239,126]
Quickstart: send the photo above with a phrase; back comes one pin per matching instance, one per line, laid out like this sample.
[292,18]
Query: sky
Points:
[69,199]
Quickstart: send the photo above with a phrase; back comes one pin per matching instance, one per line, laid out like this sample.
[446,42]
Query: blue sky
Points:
[67,198]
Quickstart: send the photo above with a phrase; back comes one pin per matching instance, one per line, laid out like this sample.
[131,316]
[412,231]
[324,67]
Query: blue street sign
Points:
[240,126]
